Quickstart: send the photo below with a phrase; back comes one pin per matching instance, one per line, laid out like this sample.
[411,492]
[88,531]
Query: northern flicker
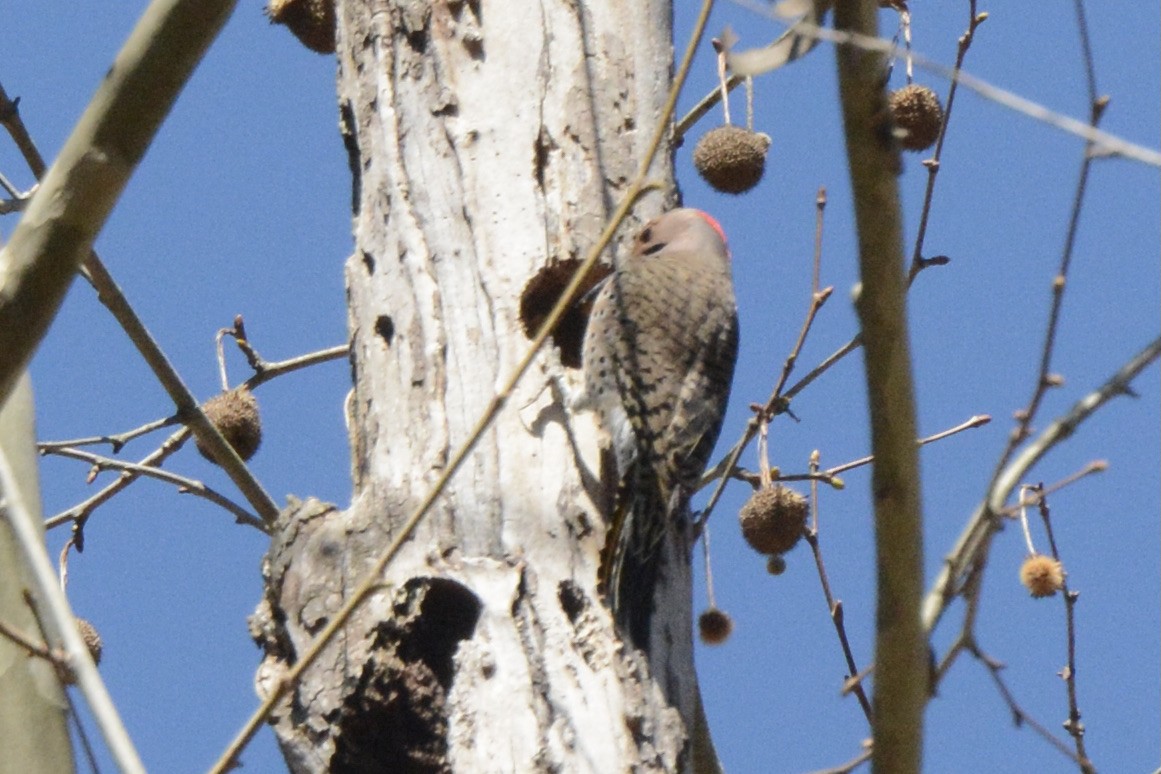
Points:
[659,355]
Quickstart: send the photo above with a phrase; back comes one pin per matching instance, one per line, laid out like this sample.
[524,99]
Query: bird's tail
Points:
[632,554]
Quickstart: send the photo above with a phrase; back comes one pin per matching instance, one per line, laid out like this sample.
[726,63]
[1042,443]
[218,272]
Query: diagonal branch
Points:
[80,513]
[984,523]
[79,191]
[183,483]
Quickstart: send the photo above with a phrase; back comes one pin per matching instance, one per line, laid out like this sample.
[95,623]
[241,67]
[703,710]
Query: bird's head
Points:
[684,229]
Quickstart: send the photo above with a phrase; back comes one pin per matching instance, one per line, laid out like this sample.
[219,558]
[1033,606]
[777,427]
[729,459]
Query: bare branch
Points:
[850,765]
[1019,716]
[183,484]
[31,545]
[834,606]
[80,513]
[778,402]
[976,537]
[978,420]
[934,164]
[1104,144]
[1073,725]
[79,191]
[901,653]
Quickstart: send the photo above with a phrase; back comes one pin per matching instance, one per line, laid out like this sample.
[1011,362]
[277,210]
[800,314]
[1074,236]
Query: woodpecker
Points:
[659,355]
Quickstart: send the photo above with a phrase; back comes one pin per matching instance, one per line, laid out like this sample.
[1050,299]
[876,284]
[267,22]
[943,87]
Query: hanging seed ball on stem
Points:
[916,111]
[773,518]
[1042,575]
[235,414]
[714,626]
[731,159]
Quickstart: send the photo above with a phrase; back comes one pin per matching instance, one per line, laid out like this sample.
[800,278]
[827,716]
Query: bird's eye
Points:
[651,249]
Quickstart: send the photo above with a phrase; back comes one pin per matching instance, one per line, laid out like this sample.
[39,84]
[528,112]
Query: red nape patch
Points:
[716,226]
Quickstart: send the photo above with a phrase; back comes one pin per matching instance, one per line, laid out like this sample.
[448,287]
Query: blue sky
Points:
[242,206]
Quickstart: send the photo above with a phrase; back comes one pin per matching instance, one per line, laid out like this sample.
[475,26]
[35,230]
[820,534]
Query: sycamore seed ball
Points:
[773,518]
[235,414]
[92,639]
[731,159]
[311,21]
[916,111]
[1042,575]
[775,564]
[714,626]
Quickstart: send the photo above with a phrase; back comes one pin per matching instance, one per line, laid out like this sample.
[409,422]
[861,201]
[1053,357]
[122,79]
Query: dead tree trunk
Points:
[487,142]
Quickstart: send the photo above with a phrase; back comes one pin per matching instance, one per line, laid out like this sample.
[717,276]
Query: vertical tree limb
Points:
[900,650]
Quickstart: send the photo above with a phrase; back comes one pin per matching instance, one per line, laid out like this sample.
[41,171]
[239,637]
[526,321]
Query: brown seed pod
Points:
[731,159]
[1042,575]
[91,637]
[916,111]
[773,518]
[235,414]
[714,626]
[311,21]
[775,564]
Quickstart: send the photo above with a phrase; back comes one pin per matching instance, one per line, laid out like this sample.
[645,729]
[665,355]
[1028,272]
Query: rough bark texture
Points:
[487,142]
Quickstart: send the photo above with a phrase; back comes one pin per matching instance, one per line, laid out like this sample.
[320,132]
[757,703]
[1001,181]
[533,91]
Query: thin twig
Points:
[1044,378]
[1104,143]
[1073,725]
[1096,466]
[1086,52]
[372,581]
[117,442]
[755,479]
[834,606]
[264,370]
[935,162]
[777,403]
[1019,716]
[850,765]
[183,484]
[80,513]
[33,648]
[979,420]
[820,200]
[966,637]
[974,541]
